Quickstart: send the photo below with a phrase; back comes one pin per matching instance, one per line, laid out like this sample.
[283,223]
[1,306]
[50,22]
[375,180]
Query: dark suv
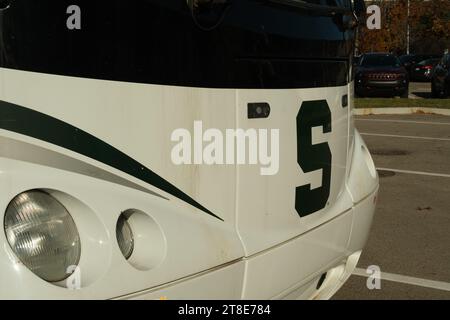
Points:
[440,79]
[381,74]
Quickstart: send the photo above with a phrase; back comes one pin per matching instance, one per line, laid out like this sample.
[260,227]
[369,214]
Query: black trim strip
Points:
[27,152]
[43,127]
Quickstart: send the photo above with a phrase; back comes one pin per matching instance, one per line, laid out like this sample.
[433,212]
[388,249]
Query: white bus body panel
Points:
[262,249]
[266,204]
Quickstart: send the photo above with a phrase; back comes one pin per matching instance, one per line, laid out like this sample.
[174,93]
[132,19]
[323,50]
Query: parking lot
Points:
[410,237]
[420,90]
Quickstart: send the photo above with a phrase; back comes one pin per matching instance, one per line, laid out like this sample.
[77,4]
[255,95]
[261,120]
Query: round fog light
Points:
[125,236]
[43,235]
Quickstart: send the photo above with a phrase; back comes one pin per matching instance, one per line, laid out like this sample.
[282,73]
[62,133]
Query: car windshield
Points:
[380,61]
[406,59]
[429,62]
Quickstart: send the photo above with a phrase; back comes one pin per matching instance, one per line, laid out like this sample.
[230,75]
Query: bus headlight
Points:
[43,235]
[125,237]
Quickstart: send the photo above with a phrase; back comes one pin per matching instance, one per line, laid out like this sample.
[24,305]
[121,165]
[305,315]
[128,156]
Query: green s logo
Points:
[313,157]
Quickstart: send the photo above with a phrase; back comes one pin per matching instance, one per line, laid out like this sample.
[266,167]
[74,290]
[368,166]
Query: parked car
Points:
[381,74]
[409,61]
[422,71]
[440,80]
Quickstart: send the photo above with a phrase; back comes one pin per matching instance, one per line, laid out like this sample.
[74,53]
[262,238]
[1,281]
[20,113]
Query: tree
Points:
[392,35]
[429,27]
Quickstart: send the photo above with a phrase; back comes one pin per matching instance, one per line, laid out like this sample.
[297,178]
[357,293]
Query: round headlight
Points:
[43,235]
[125,236]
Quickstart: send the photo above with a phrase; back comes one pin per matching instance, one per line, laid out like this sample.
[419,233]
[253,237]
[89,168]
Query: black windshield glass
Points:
[380,61]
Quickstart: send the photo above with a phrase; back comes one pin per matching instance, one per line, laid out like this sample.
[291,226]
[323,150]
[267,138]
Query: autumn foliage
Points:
[429,23]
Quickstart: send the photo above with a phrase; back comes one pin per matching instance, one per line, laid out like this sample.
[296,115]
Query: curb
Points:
[375,111]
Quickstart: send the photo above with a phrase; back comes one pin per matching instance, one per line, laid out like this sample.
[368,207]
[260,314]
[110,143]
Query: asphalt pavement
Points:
[410,237]
[420,90]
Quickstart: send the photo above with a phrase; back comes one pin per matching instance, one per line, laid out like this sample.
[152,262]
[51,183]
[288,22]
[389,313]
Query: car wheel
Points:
[405,94]
[446,89]
[434,93]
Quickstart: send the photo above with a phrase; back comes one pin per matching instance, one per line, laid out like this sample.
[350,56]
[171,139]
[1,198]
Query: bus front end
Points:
[173,149]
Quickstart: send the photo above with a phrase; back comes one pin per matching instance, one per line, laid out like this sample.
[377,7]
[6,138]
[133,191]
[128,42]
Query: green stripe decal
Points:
[43,127]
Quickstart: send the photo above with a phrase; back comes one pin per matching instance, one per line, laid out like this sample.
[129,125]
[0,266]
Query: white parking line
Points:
[405,137]
[420,173]
[406,121]
[438,285]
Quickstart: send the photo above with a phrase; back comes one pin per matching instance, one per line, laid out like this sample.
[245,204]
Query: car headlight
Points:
[43,235]
[125,237]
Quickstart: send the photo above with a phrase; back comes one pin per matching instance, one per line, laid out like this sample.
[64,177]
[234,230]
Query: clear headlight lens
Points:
[43,235]
[125,236]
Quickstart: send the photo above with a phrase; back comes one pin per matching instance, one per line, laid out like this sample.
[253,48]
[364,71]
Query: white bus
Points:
[94,205]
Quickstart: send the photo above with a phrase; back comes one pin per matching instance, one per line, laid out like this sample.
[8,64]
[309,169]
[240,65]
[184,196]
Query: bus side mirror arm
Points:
[359,9]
